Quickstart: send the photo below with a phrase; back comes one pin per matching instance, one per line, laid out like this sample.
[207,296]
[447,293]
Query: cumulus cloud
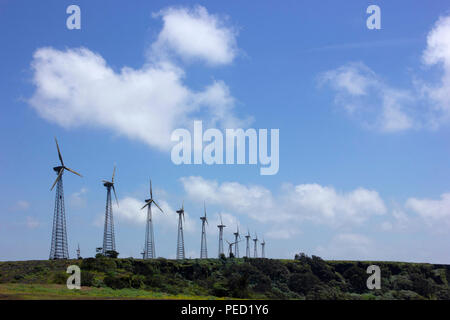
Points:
[78,199]
[196,34]
[369,99]
[434,212]
[323,203]
[298,203]
[400,221]
[438,53]
[76,87]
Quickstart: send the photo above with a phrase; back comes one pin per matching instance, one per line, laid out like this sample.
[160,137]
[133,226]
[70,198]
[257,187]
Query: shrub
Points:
[117,281]
[87,278]
[357,277]
[60,278]
[302,282]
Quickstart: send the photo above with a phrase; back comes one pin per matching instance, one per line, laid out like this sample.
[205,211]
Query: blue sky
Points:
[364,120]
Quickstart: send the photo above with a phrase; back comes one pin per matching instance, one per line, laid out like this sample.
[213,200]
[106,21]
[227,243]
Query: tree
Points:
[112,254]
[302,282]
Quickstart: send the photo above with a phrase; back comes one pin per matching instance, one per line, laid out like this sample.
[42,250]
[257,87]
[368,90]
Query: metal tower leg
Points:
[109,242]
[220,241]
[236,247]
[203,249]
[247,250]
[180,240]
[59,248]
[149,248]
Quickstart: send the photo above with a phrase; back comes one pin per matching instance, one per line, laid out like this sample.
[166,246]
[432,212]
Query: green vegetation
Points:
[302,278]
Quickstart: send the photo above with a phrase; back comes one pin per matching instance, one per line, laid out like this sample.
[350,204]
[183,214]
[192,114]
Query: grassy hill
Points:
[302,278]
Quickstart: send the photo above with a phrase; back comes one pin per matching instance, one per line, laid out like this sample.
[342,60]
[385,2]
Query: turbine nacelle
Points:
[181,211]
[60,169]
[110,184]
[148,202]
[204,218]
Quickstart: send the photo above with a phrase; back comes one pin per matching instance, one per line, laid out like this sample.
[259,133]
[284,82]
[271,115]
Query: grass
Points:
[14,291]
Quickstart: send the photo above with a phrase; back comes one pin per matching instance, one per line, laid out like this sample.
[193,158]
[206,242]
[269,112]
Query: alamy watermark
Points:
[238,151]
[74,281]
[374,281]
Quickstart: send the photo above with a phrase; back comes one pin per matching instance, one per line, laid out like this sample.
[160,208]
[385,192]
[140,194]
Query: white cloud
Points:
[438,53]
[368,99]
[380,106]
[196,34]
[78,199]
[435,213]
[400,222]
[32,223]
[282,232]
[311,202]
[77,87]
[326,205]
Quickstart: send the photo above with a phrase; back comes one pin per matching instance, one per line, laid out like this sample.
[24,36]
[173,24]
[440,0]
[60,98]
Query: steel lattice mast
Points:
[263,253]
[109,240]
[255,252]
[180,238]
[221,226]
[59,247]
[236,247]
[149,246]
[230,247]
[247,251]
[203,248]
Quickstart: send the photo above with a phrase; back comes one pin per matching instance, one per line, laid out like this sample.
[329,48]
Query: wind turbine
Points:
[230,247]
[109,240]
[221,226]
[203,248]
[180,240]
[247,251]
[263,243]
[149,246]
[59,233]
[236,247]
[255,252]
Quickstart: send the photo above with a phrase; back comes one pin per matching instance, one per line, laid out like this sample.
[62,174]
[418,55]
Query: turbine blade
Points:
[59,153]
[114,172]
[146,205]
[57,178]
[182,206]
[151,193]
[115,195]
[73,171]
[157,206]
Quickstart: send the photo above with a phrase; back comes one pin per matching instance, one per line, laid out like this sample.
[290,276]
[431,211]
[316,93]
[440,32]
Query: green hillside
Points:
[302,278]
